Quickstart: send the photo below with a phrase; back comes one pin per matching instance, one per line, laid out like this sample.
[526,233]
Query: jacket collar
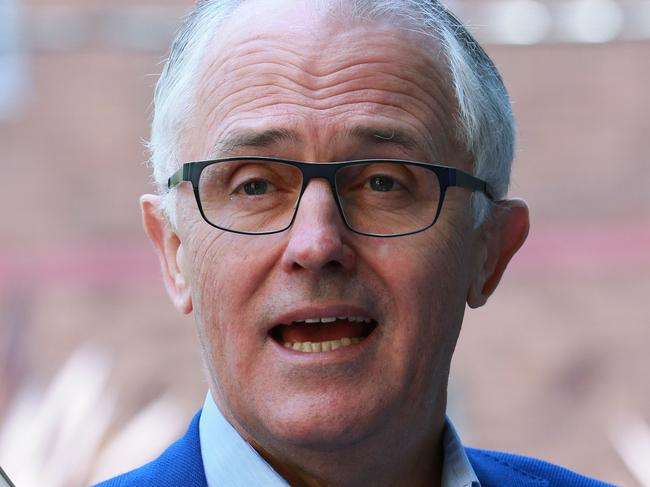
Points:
[494,471]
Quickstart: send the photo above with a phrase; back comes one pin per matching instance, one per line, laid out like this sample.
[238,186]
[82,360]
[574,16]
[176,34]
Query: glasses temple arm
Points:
[464,180]
[178,177]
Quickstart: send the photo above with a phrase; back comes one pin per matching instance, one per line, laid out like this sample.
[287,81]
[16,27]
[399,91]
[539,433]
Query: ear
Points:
[503,234]
[169,248]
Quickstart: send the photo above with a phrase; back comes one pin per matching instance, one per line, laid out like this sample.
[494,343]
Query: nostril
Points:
[331,265]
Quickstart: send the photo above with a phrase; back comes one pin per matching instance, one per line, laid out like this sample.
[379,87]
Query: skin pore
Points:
[281,80]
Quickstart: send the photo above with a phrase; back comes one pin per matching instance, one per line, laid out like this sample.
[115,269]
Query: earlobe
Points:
[169,249]
[504,235]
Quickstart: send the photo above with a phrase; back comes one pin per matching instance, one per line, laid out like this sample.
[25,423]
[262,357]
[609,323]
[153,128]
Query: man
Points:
[346,200]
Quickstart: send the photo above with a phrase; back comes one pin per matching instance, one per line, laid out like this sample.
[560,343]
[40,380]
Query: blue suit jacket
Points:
[181,466]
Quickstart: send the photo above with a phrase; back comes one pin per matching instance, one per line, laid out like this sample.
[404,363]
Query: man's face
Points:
[280,82]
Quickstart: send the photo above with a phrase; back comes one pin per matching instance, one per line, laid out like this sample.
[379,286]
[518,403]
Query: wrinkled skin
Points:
[281,81]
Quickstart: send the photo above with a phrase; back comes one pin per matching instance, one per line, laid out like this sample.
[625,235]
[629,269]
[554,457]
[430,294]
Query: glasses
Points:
[378,198]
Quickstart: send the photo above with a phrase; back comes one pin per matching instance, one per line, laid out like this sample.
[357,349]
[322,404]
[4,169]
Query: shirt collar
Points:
[456,469]
[229,460]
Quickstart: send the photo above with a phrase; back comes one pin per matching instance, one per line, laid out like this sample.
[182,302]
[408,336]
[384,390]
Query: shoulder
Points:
[180,464]
[498,469]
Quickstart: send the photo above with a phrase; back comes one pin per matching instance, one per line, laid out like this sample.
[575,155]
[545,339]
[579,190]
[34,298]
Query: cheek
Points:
[426,278]
[212,289]
[227,272]
[220,326]
[428,264]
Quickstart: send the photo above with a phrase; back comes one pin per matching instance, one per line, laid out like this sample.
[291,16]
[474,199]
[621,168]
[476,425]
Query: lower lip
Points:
[341,354]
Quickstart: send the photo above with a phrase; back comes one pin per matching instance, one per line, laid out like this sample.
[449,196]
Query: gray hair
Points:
[484,122]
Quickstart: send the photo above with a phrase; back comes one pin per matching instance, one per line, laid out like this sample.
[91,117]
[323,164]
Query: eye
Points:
[256,187]
[382,183]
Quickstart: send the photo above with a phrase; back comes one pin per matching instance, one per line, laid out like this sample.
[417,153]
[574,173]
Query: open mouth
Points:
[323,334]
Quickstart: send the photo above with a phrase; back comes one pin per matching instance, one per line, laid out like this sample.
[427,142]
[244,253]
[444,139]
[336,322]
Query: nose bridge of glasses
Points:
[323,172]
[318,170]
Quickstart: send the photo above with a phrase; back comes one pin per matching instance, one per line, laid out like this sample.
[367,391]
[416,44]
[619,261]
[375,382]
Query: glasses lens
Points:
[250,196]
[388,198]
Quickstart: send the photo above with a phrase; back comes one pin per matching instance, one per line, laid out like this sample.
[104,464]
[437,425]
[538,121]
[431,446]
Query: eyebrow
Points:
[386,135]
[252,139]
[373,135]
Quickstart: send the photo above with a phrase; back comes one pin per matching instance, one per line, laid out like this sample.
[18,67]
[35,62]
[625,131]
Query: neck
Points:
[399,459]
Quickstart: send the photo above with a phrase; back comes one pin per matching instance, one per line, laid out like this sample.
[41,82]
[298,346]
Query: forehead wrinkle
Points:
[307,59]
[419,88]
[377,131]
[375,97]
[337,89]
[337,118]
[329,43]
[254,53]
[382,81]
[374,108]
[361,96]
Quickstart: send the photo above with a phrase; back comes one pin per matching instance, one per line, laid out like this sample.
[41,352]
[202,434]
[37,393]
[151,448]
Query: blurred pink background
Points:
[555,366]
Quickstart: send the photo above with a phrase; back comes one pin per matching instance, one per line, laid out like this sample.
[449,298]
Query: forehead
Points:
[321,76]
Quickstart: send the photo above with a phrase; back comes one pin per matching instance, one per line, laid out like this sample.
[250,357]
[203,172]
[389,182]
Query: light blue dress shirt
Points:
[228,460]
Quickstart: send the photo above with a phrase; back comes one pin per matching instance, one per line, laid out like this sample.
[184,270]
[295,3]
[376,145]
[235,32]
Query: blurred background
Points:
[98,372]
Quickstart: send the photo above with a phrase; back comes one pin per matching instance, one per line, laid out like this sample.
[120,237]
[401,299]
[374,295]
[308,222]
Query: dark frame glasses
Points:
[447,177]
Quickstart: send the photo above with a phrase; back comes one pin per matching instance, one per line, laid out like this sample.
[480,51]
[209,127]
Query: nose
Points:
[317,238]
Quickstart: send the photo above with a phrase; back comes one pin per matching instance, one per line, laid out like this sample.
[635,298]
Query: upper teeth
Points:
[331,319]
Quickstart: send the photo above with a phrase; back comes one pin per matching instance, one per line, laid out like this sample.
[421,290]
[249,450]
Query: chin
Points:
[324,424]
